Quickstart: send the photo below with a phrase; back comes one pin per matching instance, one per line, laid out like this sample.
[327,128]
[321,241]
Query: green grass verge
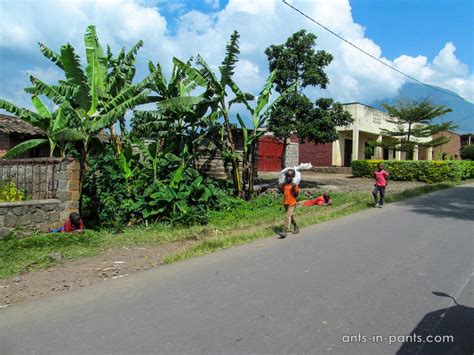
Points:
[249,221]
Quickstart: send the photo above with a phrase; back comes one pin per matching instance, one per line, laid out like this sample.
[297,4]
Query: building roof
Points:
[357,103]
[15,125]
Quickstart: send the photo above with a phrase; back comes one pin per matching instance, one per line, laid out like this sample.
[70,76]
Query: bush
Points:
[421,170]
[178,195]
[106,196]
[468,152]
[10,193]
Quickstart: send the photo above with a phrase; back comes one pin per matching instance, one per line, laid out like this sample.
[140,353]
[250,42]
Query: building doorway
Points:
[347,152]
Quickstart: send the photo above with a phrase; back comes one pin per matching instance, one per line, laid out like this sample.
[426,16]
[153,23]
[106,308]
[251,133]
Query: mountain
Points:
[462,114]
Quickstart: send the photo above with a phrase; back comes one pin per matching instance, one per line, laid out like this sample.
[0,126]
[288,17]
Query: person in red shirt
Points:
[73,225]
[323,200]
[381,181]
[290,193]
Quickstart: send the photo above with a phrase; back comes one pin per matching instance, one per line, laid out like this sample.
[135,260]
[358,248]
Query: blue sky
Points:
[418,26]
[431,40]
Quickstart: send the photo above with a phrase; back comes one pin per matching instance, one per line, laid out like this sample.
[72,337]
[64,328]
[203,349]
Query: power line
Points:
[373,57]
[464,118]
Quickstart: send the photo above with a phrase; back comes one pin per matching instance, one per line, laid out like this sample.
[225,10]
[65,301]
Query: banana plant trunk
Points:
[251,171]
[236,178]
[115,140]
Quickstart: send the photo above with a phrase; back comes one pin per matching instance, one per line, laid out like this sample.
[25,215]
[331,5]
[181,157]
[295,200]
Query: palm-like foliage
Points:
[97,96]
[260,114]
[53,124]
[413,120]
[179,124]
[216,88]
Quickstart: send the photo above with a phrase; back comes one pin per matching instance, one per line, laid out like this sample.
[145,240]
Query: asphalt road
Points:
[381,273]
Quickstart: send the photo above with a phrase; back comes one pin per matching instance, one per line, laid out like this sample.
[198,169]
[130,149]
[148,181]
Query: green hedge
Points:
[422,170]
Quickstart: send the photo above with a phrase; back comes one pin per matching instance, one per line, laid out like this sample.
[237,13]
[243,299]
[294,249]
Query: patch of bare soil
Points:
[315,182]
[72,274]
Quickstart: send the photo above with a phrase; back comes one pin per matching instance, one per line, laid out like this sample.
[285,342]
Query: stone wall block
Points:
[54,217]
[10,221]
[39,217]
[48,207]
[64,195]
[17,211]
[4,232]
[25,220]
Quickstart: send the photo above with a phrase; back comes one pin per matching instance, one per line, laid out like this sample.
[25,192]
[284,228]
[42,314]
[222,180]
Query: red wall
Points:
[270,151]
[316,154]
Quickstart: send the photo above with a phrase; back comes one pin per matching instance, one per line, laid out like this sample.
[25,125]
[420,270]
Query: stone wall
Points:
[214,166]
[28,216]
[292,154]
[40,215]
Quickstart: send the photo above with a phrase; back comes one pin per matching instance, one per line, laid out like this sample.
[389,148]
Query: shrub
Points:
[10,193]
[179,196]
[422,170]
[468,152]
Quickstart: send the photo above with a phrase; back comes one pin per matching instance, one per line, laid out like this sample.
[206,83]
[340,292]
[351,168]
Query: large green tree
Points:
[413,120]
[91,98]
[297,62]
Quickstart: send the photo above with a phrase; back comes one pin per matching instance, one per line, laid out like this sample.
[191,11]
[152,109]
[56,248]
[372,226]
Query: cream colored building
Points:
[366,128]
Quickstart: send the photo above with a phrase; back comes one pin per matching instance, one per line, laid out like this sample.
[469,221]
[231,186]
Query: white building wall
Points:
[367,126]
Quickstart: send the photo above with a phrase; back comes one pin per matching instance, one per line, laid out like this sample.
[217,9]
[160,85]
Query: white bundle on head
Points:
[296,180]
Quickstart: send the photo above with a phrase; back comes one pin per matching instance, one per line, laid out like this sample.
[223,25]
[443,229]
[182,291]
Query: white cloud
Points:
[446,61]
[353,75]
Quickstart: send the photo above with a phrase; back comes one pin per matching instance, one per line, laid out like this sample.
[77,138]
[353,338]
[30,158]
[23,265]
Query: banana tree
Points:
[89,97]
[205,77]
[176,125]
[259,114]
[53,124]
[180,121]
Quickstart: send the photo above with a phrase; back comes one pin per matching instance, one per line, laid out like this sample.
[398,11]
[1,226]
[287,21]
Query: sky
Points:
[431,40]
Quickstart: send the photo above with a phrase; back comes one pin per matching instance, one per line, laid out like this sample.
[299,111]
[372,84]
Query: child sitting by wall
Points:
[73,225]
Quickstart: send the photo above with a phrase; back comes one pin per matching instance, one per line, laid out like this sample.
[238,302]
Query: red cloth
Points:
[69,227]
[317,201]
[380,178]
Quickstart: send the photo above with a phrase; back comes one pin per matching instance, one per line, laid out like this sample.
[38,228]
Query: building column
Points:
[429,153]
[355,144]
[398,154]
[415,152]
[336,153]
[378,153]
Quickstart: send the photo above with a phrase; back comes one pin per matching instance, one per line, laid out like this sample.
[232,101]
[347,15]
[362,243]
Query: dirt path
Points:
[71,274]
[312,181]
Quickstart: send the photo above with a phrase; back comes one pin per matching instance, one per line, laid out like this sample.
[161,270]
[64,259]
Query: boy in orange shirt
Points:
[290,192]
